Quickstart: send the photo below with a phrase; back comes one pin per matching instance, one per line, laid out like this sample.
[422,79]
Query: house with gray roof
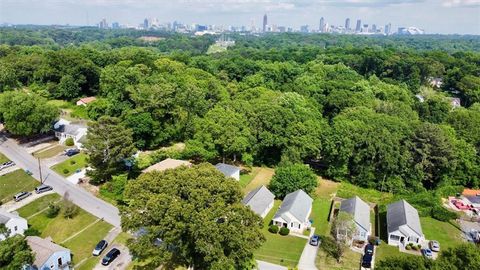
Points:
[294,212]
[65,129]
[403,224]
[13,222]
[48,255]
[260,200]
[229,170]
[360,212]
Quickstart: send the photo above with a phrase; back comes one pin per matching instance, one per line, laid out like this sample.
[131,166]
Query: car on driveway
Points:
[22,195]
[111,256]
[427,253]
[367,261]
[7,165]
[315,240]
[71,152]
[369,249]
[42,188]
[434,245]
[99,248]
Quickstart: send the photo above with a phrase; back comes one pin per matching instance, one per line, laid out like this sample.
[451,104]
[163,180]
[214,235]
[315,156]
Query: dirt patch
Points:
[263,177]
[326,188]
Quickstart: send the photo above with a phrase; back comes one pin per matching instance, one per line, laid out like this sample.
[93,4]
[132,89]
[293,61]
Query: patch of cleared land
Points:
[15,182]
[263,177]
[245,179]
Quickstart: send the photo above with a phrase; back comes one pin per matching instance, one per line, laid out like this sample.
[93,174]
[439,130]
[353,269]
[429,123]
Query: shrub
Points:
[419,246]
[73,162]
[273,229]
[66,171]
[53,210]
[442,214]
[408,247]
[70,210]
[69,142]
[284,231]
[414,247]
[31,232]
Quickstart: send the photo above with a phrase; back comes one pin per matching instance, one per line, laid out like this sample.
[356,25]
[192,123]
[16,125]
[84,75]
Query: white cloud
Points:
[461,3]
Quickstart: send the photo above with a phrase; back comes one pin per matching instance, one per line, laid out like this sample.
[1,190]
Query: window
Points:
[15,228]
[299,226]
[291,225]
[394,237]
[60,261]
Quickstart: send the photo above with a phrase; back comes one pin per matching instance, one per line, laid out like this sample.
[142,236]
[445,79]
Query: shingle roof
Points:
[402,213]
[227,169]
[71,129]
[166,164]
[87,100]
[297,203]
[359,209]
[43,249]
[6,216]
[259,199]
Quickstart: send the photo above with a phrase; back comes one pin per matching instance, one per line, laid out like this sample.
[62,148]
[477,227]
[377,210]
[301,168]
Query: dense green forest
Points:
[346,105]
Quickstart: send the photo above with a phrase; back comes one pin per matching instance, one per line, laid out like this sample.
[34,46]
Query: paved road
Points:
[309,254]
[79,196]
[13,205]
[120,263]
[269,266]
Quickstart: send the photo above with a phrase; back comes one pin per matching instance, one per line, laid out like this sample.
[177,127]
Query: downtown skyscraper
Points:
[359,26]
[347,24]
[265,23]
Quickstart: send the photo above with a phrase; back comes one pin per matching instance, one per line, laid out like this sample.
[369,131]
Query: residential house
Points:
[403,224]
[84,101]
[48,255]
[472,197]
[166,164]
[14,223]
[65,129]
[455,102]
[260,200]
[294,211]
[360,212]
[229,170]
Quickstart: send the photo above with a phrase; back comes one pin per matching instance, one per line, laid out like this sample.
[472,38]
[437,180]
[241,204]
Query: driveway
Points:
[79,196]
[120,263]
[261,265]
[309,254]
[13,205]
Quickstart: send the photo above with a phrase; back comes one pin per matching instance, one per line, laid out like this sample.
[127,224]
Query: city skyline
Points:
[442,16]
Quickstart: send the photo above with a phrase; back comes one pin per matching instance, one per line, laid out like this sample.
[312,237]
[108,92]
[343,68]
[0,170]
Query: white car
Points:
[101,246]
[434,245]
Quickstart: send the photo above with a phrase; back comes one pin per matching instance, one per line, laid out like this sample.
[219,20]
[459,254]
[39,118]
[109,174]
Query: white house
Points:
[403,224]
[166,164]
[65,129]
[48,255]
[294,211]
[360,212]
[260,200]
[229,170]
[14,223]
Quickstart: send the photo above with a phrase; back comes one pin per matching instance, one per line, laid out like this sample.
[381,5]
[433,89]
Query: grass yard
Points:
[263,177]
[50,152]
[38,205]
[15,182]
[69,166]
[3,158]
[321,206]
[445,233]
[384,250]
[245,179]
[283,250]
[350,261]
[347,190]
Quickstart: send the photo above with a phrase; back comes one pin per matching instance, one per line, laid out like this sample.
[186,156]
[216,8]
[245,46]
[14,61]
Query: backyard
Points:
[79,234]
[350,260]
[71,165]
[245,179]
[262,177]
[15,182]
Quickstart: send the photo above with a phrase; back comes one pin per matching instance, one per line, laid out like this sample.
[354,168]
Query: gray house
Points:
[294,211]
[360,212]
[403,224]
[48,255]
[260,200]
[229,170]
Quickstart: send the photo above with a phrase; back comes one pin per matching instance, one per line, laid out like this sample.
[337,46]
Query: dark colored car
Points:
[99,248]
[72,152]
[427,253]
[367,261]
[43,188]
[315,240]
[369,249]
[111,256]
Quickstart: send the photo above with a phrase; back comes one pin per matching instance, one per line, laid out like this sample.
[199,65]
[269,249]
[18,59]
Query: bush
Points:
[70,210]
[414,247]
[69,142]
[408,247]
[442,214]
[284,231]
[53,210]
[66,171]
[73,162]
[31,232]
[273,229]
[291,177]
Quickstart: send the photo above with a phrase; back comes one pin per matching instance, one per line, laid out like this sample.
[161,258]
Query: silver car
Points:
[434,245]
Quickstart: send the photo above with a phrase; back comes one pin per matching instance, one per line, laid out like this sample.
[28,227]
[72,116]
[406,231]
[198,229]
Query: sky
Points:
[434,16]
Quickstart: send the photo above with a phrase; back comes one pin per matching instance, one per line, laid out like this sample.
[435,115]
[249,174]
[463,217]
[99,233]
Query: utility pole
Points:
[40,170]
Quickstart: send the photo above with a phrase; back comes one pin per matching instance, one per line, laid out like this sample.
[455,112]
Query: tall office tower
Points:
[359,26]
[103,24]
[146,24]
[388,29]
[374,28]
[321,27]
[347,24]
[304,28]
[265,22]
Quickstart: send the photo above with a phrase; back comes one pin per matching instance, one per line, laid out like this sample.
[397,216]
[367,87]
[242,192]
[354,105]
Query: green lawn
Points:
[350,261]
[40,204]
[69,166]
[3,158]
[384,250]
[283,250]
[445,233]
[15,182]
[347,190]
[245,179]
[50,152]
[320,213]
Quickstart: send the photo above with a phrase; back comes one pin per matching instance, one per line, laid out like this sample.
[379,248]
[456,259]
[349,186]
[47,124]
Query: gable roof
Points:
[166,164]
[402,213]
[359,209]
[259,199]
[226,169]
[43,249]
[71,129]
[471,192]
[6,216]
[297,204]
[87,100]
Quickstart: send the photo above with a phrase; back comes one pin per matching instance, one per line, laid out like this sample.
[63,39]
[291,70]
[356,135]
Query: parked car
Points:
[22,195]
[461,206]
[7,165]
[427,253]
[367,261]
[369,249]
[315,240]
[72,151]
[99,248]
[43,188]
[434,245]
[111,256]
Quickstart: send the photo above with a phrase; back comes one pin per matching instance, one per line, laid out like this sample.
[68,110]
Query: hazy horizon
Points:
[434,16]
